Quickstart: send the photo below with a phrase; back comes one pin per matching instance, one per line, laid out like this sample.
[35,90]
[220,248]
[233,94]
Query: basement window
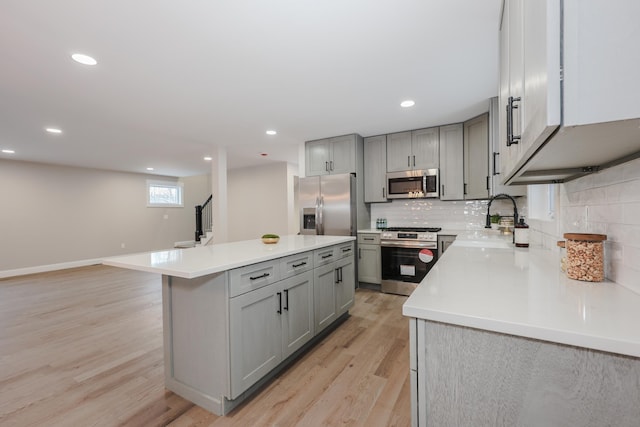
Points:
[164,194]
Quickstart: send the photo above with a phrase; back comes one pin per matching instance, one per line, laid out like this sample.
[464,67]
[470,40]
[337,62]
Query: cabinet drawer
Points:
[294,264]
[344,250]
[254,276]
[369,238]
[324,256]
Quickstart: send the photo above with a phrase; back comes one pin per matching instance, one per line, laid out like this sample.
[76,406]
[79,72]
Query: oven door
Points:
[405,265]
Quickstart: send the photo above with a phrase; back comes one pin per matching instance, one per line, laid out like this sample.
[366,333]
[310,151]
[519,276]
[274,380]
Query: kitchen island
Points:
[235,314]
[500,336]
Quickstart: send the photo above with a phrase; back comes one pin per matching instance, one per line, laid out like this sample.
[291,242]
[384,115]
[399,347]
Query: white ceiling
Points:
[175,79]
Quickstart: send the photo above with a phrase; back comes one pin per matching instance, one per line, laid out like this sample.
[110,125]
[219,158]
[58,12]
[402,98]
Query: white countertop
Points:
[523,292]
[202,260]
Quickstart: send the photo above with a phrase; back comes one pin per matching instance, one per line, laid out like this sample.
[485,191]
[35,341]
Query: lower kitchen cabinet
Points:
[333,285]
[268,325]
[324,296]
[369,258]
[345,285]
[459,378]
[444,241]
[255,337]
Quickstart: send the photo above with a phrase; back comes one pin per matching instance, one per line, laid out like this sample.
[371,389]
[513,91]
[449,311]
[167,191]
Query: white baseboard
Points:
[50,267]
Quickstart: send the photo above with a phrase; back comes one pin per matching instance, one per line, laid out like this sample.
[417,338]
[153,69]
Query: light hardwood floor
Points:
[83,347]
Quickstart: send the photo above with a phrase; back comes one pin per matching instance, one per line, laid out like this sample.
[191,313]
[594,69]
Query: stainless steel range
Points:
[407,256]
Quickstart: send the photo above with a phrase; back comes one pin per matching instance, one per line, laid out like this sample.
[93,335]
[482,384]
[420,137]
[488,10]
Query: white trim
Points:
[50,267]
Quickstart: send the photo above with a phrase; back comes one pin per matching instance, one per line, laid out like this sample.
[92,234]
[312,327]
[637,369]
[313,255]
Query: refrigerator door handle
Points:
[320,216]
[317,215]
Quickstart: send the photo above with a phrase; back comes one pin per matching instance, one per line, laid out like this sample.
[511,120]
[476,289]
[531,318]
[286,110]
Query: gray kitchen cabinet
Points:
[267,326]
[333,284]
[564,111]
[297,312]
[345,285]
[451,162]
[369,258]
[324,296]
[329,156]
[444,241]
[413,150]
[375,169]
[476,158]
[255,337]
[495,148]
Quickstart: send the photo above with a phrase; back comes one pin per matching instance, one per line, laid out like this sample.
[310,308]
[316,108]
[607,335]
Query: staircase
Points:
[204,227]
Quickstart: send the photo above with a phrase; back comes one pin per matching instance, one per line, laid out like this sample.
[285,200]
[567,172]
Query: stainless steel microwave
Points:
[413,184]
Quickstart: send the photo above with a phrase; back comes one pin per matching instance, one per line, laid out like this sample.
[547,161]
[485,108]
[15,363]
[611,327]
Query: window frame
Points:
[177,185]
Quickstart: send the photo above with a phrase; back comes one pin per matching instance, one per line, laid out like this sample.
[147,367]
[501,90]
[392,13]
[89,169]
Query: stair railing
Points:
[204,216]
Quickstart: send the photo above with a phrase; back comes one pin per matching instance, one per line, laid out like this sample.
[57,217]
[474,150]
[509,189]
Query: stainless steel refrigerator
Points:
[328,205]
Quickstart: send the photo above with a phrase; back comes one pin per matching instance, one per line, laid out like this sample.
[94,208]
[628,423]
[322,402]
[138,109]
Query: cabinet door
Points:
[342,157]
[515,71]
[324,296]
[541,72]
[375,169]
[369,270]
[317,157]
[424,148]
[444,241]
[345,285]
[255,336]
[495,148]
[297,312]
[476,158]
[451,160]
[399,152]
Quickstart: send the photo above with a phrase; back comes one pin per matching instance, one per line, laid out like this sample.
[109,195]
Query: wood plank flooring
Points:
[83,347]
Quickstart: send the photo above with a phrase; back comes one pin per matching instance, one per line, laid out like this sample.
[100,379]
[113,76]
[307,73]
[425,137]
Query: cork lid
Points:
[561,243]
[585,237]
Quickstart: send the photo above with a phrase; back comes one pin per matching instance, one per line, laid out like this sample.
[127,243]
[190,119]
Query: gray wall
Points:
[54,214]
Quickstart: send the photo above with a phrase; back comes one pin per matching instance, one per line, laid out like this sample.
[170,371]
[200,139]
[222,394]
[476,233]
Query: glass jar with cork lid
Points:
[585,256]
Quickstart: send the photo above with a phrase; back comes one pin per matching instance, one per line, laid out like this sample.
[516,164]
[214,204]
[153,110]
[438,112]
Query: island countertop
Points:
[483,282]
[200,261]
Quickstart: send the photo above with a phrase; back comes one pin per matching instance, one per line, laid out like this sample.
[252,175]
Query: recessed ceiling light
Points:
[8,151]
[84,59]
[149,169]
[271,132]
[208,158]
[53,130]
[408,103]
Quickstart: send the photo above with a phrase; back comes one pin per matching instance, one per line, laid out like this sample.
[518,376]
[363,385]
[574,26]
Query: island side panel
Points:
[196,339]
[476,377]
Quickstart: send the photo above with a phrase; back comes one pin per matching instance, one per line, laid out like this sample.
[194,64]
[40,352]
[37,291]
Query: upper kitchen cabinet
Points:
[375,169]
[333,155]
[415,150]
[476,158]
[451,162]
[568,88]
[495,176]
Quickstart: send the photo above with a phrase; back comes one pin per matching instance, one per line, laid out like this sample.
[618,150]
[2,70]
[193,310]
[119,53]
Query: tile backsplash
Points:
[458,215]
[607,202]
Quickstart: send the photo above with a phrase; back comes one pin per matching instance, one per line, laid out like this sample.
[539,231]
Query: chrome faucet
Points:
[502,196]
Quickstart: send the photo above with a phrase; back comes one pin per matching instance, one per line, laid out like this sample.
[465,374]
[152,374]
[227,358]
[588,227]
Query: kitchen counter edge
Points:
[190,263]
